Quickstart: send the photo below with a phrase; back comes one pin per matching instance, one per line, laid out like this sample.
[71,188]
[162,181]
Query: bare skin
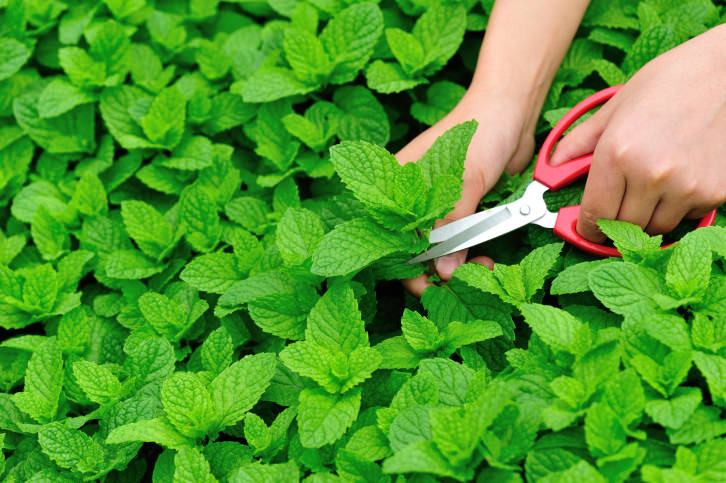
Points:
[522,49]
[659,144]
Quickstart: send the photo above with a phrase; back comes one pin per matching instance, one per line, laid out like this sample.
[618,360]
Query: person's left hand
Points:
[659,144]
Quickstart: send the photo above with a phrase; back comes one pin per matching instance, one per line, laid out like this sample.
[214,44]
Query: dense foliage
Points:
[202,229]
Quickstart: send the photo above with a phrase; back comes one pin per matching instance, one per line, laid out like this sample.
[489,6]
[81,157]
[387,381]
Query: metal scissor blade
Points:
[528,209]
[463,237]
[447,231]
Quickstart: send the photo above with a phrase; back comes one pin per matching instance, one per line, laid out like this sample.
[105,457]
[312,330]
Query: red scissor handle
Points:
[556,177]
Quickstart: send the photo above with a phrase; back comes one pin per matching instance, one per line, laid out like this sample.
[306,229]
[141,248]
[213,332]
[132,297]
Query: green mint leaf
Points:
[454,434]
[397,354]
[480,277]
[362,362]
[49,235]
[406,48]
[582,471]
[150,359]
[713,368]
[157,430]
[287,472]
[574,279]
[122,8]
[440,30]
[188,404]
[162,313]
[147,69]
[356,244]
[649,44]
[111,44]
[349,39]
[298,233]
[335,321]
[368,444]
[689,268]
[212,272]
[630,240]
[198,213]
[98,382]
[625,287]
[604,433]
[424,457]
[441,98]
[363,117]
[193,153]
[284,314]
[369,171]
[115,105]
[59,97]
[238,388]
[191,467]
[250,213]
[90,196]
[674,411]
[458,334]
[389,78]
[71,132]
[447,154]
[70,448]
[537,264]
[313,361]
[151,232]
[323,418]
[217,350]
[451,378]
[164,121]
[43,382]
[305,54]
[81,68]
[257,433]
[420,333]
[554,326]
[270,84]
[13,56]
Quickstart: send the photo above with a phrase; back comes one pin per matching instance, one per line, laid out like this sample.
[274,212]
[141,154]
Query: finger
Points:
[413,151]
[667,215]
[698,213]
[416,286]
[472,191]
[603,195]
[583,138]
[486,261]
[638,204]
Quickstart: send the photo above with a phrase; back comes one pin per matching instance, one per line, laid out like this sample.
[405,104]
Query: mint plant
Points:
[202,227]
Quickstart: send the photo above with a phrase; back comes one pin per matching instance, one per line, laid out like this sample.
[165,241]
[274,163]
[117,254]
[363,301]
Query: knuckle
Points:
[688,188]
[659,174]
[622,153]
[712,198]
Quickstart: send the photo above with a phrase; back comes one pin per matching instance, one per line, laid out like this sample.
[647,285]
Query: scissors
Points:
[531,208]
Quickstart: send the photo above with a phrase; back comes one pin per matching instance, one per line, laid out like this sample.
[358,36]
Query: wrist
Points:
[519,105]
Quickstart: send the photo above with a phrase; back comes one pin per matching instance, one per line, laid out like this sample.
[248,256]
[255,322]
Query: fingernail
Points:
[445,266]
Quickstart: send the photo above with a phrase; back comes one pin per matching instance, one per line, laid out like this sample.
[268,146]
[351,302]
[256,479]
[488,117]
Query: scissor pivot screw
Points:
[524,210]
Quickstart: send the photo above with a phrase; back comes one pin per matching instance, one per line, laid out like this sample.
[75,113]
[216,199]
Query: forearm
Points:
[524,45]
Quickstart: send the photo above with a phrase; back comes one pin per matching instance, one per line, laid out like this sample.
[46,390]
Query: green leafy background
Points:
[202,228]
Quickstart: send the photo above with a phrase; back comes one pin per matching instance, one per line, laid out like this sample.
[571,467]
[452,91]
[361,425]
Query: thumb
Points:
[583,138]
[473,190]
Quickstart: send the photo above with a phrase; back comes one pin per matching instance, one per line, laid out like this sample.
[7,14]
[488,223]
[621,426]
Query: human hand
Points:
[659,145]
[504,139]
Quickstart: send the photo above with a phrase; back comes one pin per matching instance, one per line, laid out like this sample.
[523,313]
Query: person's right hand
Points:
[504,139]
